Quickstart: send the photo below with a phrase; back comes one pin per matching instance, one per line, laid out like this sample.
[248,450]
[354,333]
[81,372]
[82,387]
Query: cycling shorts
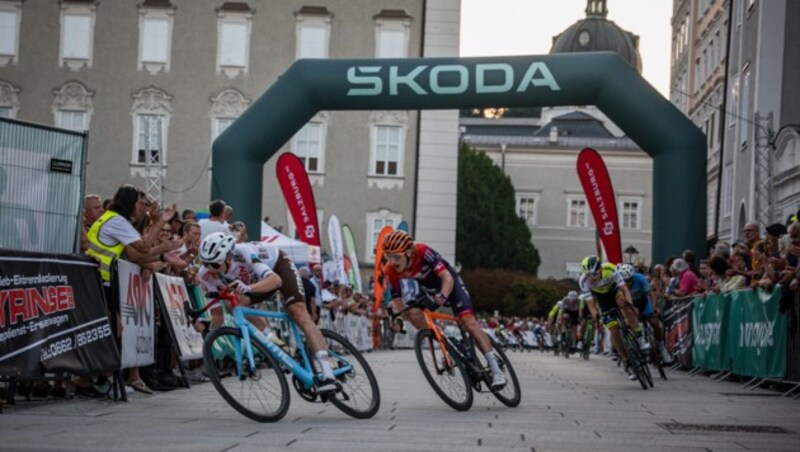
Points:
[291,285]
[458,300]
[574,318]
[607,302]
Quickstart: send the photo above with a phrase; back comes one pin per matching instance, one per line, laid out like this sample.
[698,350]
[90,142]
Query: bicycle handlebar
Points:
[215,297]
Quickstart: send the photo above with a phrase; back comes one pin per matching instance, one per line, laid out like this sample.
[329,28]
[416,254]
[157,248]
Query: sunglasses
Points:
[215,266]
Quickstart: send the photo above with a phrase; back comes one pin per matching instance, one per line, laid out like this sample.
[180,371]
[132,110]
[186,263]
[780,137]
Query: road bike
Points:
[588,338]
[453,366]
[637,358]
[653,353]
[249,370]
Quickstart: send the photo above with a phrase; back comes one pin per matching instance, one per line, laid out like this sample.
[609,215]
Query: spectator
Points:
[92,210]
[176,225]
[316,281]
[106,204]
[706,282]
[736,274]
[227,216]
[688,256]
[687,281]
[722,249]
[214,223]
[792,259]
[189,215]
[239,230]
[309,291]
[190,251]
[719,267]
[752,235]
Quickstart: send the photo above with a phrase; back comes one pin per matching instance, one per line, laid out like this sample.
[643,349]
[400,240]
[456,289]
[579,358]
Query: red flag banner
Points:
[299,198]
[600,195]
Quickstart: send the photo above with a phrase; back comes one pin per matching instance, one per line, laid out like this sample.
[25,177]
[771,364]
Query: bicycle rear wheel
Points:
[588,337]
[261,395]
[450,383]
[359,395]
[655,356]
[510,395]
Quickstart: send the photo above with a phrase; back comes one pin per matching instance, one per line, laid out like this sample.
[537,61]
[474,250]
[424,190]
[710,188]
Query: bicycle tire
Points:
[588,336]
[458,373]
[632,352]
[513,398]
[655,356]
[226,386]
[353,382]
[568,341]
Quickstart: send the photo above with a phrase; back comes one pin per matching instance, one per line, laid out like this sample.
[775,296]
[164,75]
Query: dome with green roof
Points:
[595,33]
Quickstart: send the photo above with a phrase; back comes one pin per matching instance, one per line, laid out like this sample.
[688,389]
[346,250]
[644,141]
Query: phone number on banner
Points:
[81,339]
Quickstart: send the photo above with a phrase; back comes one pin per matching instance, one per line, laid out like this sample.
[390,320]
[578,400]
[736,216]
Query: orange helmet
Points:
[397,242]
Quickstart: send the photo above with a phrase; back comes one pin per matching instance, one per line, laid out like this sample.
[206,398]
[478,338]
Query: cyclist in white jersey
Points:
[256,272]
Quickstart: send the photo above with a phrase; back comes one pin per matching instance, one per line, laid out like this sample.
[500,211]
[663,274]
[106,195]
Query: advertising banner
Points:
[299,197]
[137,313]
[337,248]
[757,334]
[172,295]
[709,336]
[350,248]
[596,184]
[678,329]
[53,316]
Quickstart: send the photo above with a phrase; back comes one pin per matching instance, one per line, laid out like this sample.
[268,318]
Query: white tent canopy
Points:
[299,252]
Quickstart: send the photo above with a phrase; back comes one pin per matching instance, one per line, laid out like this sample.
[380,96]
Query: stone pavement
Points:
[566,405]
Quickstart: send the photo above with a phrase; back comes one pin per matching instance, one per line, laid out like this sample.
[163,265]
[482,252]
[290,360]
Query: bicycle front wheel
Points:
[450,383]
[261,394]
[359,396]
[633,353]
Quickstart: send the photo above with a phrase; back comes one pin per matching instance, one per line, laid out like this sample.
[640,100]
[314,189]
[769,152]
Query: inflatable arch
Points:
[603,79]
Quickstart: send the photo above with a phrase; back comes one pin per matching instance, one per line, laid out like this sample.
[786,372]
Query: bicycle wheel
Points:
[568,339]
[510,395]
[588,335]
[632,352]
[359,395]
[451,384]
[655,356]
[263,395]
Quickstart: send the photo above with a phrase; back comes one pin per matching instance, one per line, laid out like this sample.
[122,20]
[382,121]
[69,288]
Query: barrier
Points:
[677,318]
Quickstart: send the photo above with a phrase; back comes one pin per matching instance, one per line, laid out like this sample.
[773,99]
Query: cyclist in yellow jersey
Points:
[604,288]
[551,317]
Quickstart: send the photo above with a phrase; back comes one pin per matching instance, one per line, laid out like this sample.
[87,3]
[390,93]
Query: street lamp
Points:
[632,252]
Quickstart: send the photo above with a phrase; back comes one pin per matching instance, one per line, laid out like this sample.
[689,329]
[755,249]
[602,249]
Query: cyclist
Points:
[568,315]
[603,283]
[585,317]
[538,334]
[551,317]
[418,261]
[642,294]
[256,273]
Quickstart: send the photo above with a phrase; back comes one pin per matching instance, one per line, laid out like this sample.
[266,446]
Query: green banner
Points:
[757,334]
[709,321]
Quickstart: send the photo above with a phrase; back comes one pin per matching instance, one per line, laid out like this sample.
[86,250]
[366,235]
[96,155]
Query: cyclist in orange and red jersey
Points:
[436,277]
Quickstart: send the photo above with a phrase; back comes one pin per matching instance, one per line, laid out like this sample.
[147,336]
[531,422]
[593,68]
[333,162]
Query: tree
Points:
[489,233]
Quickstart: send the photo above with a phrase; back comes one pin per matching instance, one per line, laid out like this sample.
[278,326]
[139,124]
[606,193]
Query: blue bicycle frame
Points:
[303,372]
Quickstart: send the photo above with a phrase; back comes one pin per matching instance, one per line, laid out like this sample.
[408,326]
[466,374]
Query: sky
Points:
[527,27]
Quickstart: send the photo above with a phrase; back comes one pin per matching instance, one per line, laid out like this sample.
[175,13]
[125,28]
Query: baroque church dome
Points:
[595,33]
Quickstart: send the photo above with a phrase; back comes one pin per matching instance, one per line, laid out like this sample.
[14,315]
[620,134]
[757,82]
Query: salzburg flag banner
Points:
[600,195]
[299,198]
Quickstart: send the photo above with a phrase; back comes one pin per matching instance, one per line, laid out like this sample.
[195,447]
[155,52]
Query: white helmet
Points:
[626,271]
[216,247]
[572,295]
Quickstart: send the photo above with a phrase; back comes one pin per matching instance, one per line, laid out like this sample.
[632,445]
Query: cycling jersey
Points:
[424,267]
[640,290]
[604,290]
[253,262]
[553,312]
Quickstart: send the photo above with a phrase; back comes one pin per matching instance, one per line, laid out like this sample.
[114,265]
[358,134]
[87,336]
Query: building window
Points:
[309,146]
[221,125]
[375,222]
[77,31]
[313,32]
[152,109]
[526,207]
[744,127]
[73,120]
[9,100]
[233,45]
[573,270]
[577,212]
[387,151]
[392,31]
[149,133]
[631,213]
[727,191]
[72,106]
[155,37]
[733,102]
[10,17]
[226,106]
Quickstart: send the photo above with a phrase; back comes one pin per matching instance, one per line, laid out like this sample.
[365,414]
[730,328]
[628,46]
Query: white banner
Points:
[173,293]
[337,248]
[137,315]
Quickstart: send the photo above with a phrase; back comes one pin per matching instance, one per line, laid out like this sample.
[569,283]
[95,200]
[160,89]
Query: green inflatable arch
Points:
[677,146]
